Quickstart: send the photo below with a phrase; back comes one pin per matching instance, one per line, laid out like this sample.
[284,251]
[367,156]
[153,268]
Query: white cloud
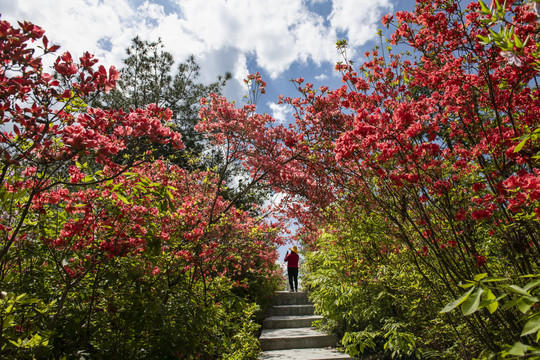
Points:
[217,62]
[280,112]
[321,77]
[276,32]
[79,27]
[221,34]
[359,18]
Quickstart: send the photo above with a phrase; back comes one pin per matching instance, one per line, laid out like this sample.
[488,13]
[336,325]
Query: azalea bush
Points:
[110,253]
[371,296]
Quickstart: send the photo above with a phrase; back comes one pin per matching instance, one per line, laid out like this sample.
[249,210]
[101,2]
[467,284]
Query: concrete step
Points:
[305,354]
[287,310]
[295,338]
[291,321]
[290,298]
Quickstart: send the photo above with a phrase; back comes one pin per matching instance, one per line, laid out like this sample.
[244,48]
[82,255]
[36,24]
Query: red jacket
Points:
[292,259]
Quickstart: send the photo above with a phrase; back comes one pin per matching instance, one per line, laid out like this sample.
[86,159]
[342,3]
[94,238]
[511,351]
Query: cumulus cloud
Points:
[223,35]
[280,112]
[101,27]
[321,77]
[276,32]
[358,18]
[218,62]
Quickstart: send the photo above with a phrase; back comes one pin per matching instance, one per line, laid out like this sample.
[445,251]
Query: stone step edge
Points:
[293,317]
[294,333]
[304,354]
[304,342]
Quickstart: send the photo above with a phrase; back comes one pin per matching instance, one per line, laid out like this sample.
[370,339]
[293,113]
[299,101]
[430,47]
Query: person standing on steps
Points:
[292,267]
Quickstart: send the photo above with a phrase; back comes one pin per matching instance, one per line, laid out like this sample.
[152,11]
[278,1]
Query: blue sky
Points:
[281,39]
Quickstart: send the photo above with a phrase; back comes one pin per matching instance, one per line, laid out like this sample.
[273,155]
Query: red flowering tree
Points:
[109,253]
[48,133]
[434,143]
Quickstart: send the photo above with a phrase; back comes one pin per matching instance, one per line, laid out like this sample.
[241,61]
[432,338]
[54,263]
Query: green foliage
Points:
[21,315]
[372,297]
[531,137]
[356,343]
[399,343]
[505,38]
[85,304]
[501,294]
[74,104]
[243,344]
[121,311]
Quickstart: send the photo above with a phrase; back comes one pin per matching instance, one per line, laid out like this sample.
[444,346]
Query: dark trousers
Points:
[293,277]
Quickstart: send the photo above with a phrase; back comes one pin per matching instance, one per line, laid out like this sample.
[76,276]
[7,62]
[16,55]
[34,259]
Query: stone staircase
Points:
[287,332]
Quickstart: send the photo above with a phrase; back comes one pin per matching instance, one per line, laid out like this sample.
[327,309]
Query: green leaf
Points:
[143,180]
[453,304]
[518,290]
[484,39]
[480,276]
[9,321]
[510,304]
[525,303]
[531,285]
[484,8]
[163,205]
[532,326]
[520,145]
[488,295]
[518,42]
[489,301]
[518,349]
[123,198]
[17,343]
[472,303]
